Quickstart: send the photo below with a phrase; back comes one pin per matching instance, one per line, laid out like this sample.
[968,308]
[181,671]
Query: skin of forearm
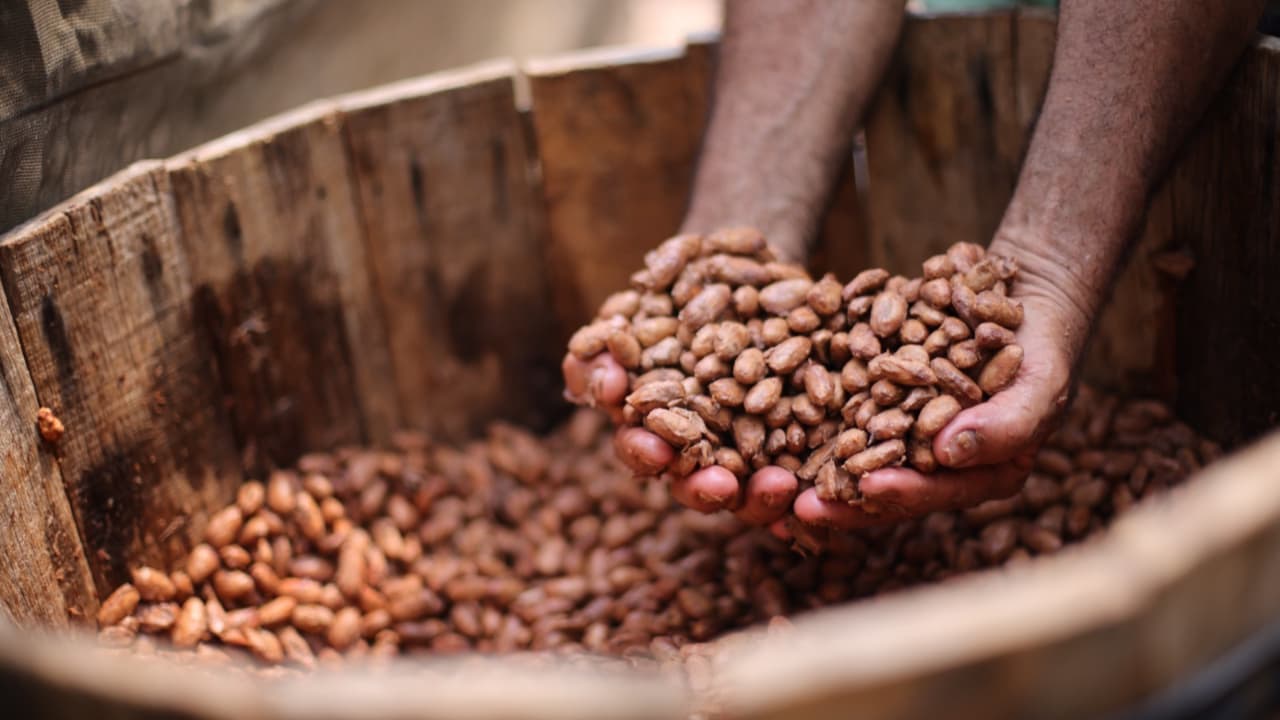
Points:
[1129,81]
[793,79]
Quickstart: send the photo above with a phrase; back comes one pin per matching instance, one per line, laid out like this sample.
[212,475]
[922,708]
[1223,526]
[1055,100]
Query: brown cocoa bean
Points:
[1001,369]
[656,395]
[888,312]
[912,373]
[889,424]
[964,354]
[875,457]
[783,296]
[803,320]
[788,355]
[746,302]
[850,442]
[935,415]
[774,330]
[991,336]
[863,343]
[654,330]
[737,270]
[736,241]
[887,393]
[913,332]
[920,455]
[706,306]
[917,399]
[154,585]
[991,307]
[938,266]
[954,382]
[748,435]
[825,296]
[763,395]
[865,282]
[118,605]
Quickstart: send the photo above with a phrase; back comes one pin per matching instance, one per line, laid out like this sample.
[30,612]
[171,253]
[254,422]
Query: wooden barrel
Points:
[414,256]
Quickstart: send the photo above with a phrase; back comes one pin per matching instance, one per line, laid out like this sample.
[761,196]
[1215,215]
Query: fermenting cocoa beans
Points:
[758,338]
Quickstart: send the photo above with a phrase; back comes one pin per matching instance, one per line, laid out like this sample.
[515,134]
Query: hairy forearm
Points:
[1129,81]
[793,79]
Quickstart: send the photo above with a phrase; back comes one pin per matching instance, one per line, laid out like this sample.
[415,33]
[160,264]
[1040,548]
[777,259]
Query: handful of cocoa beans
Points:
[739,360]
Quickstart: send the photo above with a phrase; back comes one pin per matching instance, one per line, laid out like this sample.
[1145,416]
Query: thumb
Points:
[1015,419]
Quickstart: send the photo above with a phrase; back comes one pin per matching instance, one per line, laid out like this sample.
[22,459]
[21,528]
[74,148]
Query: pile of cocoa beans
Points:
[523,543]
[741,361]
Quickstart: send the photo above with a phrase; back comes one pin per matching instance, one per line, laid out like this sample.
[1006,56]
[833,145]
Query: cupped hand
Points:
[766,495]
[986,451]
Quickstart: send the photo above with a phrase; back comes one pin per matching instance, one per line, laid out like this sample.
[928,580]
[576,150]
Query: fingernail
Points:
[963,448]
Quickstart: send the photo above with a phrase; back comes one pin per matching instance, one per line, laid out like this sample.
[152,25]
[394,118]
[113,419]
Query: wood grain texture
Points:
[44,579]
[1167,589]
[948,135]
[1226,199]
[100,298]
[281,287]
[944,138]
[618,136]
[449,214]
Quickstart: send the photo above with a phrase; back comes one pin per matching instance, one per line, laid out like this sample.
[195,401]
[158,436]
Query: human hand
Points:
[986,451]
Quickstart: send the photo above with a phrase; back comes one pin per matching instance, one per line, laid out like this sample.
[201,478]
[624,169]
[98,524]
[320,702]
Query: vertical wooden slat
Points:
[44,578]
[618,135]
[282,286]
[448,211]
[944,138]
[1226,211]
[947,137]
[100,298]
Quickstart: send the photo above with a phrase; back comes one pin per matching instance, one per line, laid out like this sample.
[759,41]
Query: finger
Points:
[607,381]
[770,492]
[707,490]
[912,494]
[812,510]
[642,451]
[1009,423]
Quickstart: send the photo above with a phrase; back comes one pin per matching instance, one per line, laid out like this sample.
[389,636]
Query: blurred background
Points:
[89,86]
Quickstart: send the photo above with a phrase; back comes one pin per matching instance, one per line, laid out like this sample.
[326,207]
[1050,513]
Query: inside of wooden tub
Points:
[414,256]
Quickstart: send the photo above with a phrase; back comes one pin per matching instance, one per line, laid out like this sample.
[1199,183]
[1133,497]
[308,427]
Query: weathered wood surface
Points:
[281,287]
[1169,588]
[618,135]
[944,137]
[1226,198]
[448,211]
[99,292]
[947,135]
[44,579]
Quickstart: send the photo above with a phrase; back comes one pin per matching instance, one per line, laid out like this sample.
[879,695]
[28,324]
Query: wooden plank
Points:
[841,246]
[1226,199]
[448,212]
[618,135]
[949,132]
[944,138]
[1081,634]
[44,579]
[100,298]
[282,287]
